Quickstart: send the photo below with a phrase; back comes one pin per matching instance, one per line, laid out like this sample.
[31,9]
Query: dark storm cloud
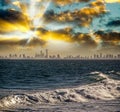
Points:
[114,23]
[11,20]
[11,15]
[109,40]
[108,36]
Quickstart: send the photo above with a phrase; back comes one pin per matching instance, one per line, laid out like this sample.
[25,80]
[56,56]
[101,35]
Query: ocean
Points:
[59,85]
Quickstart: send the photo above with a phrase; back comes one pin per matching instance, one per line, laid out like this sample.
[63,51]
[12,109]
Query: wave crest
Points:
[106,89]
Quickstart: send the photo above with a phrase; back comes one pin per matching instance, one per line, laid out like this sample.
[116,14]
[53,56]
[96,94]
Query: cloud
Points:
[66,2]
[114,23]
[11,20]
[108,38]
[17,39]
[112,1]
[21,6]
[83,16]
[14,43]
[5,2]
[84,40]
[36,42]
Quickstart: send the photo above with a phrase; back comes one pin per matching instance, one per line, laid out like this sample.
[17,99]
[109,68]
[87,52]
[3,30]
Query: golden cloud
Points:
[66,2]
[84,16]
[11,20]
[84,40]
[111,1]
[6,26]
[14,20]
[65,35]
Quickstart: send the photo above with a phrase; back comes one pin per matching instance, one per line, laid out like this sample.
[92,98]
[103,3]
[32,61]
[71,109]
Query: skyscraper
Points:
[46,53]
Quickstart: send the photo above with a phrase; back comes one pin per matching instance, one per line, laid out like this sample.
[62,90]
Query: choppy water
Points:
[51,85]
[34,74]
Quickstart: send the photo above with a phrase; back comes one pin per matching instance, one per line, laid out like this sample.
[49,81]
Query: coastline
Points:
[61,59]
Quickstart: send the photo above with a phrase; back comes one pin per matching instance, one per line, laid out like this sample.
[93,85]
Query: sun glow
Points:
[8,27]
[32,19]
[112,1]
[36,16]
[39,23]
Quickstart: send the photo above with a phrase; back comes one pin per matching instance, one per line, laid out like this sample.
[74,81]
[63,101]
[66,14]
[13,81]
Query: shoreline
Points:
[62,59]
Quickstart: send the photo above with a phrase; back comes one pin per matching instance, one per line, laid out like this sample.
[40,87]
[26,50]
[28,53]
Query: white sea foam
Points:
[106,89]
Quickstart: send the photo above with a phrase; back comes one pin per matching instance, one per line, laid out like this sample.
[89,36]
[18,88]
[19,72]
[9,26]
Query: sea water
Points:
[44,85]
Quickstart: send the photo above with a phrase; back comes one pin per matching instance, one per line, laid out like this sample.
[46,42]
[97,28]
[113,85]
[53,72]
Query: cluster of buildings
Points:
[45,55]
[95,56]
[40,55]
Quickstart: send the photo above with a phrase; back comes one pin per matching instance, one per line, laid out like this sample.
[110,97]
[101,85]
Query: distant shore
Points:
[53,59]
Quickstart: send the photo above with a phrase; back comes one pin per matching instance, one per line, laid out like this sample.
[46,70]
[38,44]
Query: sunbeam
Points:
[36,16]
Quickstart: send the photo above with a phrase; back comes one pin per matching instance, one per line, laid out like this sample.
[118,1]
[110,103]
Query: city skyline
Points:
[69,27]
[47,55]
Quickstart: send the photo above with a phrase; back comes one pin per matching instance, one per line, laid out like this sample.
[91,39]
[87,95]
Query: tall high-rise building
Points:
[46,53]
[100,55]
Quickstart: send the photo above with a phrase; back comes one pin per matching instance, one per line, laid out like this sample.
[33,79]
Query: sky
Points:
[63,26]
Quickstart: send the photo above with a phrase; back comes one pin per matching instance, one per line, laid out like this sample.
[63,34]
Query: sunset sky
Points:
[62,26]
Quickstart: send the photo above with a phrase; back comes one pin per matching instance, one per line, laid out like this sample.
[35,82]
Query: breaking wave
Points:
[104,89]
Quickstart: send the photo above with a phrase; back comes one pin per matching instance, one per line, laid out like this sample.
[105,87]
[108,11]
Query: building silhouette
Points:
[45,55]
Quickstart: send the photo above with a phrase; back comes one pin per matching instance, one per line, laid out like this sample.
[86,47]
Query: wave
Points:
[105,89]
